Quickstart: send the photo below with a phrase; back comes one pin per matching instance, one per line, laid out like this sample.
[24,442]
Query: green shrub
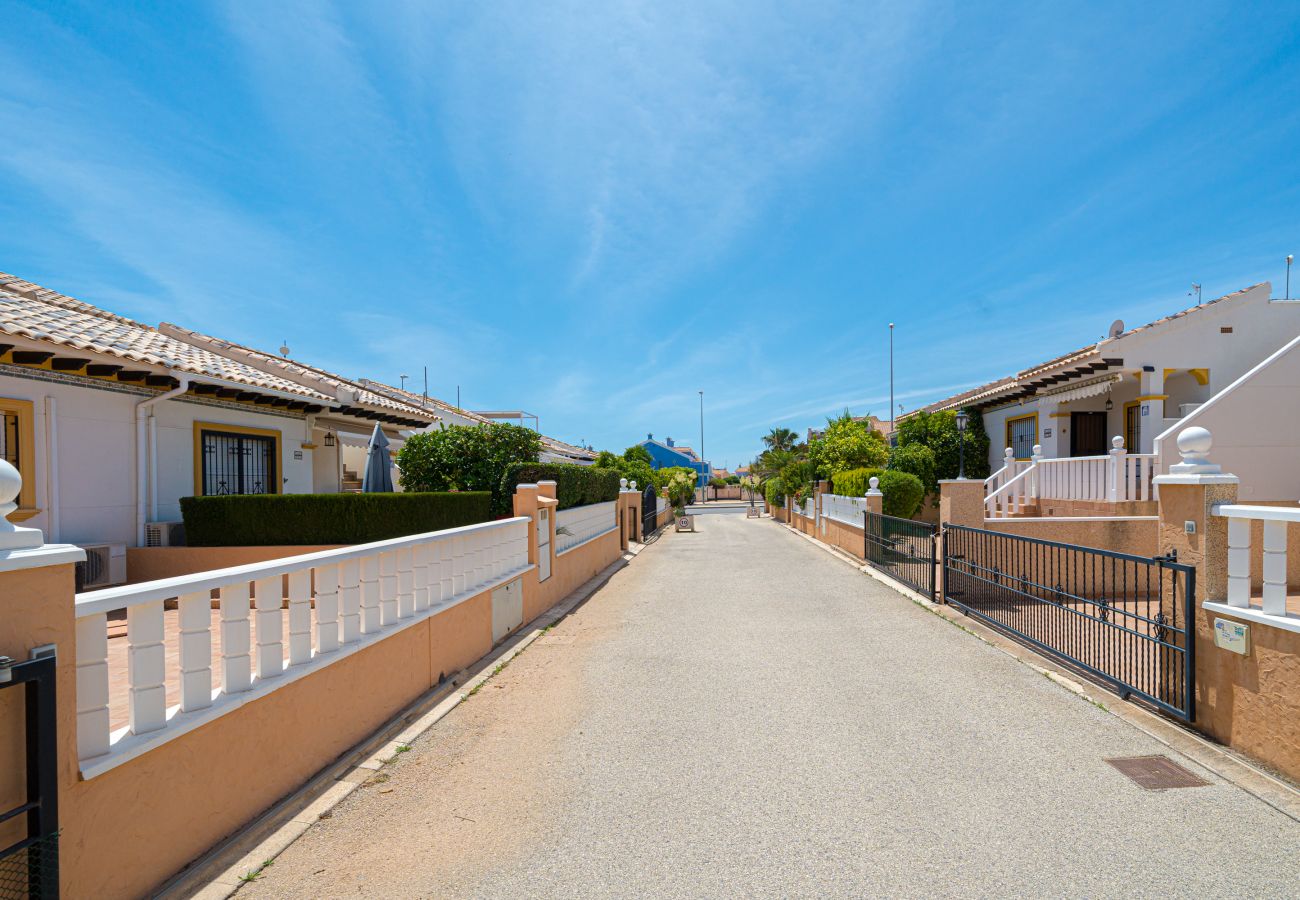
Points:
[938,431]
[846,445]
[774,492]
[903,491]
[918,460]
[260,520]
[663,477]
[466,458]
[574,485]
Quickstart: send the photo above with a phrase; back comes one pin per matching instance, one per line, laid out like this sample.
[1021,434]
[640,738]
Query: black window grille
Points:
[238,463]
[9,440]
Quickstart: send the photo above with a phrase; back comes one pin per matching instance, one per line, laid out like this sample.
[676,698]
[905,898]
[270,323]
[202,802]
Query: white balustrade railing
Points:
[345,599]
[1117,477]
[579,524]
[1273,588]
[849,510]
[1011,467]
[810,508]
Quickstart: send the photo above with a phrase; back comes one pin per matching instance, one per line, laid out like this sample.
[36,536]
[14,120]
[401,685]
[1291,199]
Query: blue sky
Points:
[594,210]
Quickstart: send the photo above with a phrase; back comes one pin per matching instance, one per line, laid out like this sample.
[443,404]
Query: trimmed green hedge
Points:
[259,520]
[574,485]
[902,491]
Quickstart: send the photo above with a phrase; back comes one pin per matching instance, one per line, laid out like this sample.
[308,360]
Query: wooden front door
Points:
[1088,434]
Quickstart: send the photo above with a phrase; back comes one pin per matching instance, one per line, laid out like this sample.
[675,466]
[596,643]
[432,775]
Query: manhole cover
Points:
[1155,773]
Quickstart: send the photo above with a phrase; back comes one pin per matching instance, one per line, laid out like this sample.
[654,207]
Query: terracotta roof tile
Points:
[30,311]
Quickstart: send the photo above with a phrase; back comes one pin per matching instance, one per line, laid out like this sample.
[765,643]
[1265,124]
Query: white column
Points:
[236,665]
[270,627]
[92,686]
[446,555]
[457,566]
[1238,562]
[195,615]
[350,601]
[327,609]
[420,560]
[387,588]
[1274,569]
[299,617]
[370,621]
[405,583]
[1117,489]
[146,667]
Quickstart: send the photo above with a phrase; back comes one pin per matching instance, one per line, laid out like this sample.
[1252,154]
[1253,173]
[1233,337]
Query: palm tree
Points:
[780,439]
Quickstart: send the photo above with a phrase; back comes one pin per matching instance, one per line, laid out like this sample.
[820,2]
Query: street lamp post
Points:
[705,485]
[961,447]
[1289,257]
[891,382]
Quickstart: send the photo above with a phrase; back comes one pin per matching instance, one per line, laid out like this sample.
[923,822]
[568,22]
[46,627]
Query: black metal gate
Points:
[649,512]
[904,549]
[1121,618]
[29,866]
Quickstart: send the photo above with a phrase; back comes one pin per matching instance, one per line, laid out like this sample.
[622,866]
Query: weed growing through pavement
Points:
[255,874]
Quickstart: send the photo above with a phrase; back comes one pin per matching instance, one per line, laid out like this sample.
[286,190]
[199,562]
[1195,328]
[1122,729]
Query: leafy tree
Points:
[780,439]
[918,460]
[637,453]
[465,458]
[938,431]
[845,445]
[680,487]
[732,479]
[606,460]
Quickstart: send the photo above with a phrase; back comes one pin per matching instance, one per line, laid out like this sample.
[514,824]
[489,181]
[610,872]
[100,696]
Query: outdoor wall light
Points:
[329,439]
[961,447]
[1110,404]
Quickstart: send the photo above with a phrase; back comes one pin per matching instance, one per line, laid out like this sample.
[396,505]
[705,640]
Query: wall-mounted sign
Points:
[1047,432]
[1145,409]
[1232,636]
[297,454]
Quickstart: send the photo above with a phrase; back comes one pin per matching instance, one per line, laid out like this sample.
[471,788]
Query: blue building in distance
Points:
[667,455]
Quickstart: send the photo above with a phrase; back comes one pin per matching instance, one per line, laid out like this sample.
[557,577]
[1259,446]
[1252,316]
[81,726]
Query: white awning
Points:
[1087,389]
[353,439]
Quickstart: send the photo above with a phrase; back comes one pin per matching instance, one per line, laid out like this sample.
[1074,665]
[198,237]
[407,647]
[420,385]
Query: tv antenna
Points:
[1196,289]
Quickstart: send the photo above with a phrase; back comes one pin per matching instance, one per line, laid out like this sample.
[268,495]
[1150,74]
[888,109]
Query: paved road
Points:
[739,714]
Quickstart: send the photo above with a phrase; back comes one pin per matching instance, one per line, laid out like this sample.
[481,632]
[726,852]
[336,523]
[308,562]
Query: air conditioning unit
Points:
[164,534]
[104,566]
[1186,409]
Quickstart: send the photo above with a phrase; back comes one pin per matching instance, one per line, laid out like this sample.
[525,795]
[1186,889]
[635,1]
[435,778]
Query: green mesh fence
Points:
[32,871]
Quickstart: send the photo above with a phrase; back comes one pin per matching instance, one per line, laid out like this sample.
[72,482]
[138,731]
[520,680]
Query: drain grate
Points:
[1156,773]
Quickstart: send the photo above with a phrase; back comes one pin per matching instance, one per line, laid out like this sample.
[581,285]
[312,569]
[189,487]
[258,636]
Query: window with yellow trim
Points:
[235,460]
[17,447]
[1022,434]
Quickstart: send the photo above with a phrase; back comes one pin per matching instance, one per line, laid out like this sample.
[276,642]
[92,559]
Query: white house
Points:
[340,434]
[1127,392]
[111,422]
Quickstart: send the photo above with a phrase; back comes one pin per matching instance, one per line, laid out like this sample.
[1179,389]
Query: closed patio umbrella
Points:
[378,477]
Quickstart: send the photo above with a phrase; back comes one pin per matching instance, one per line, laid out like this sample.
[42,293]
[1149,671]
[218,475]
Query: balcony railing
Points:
[338,602]
[1117,477]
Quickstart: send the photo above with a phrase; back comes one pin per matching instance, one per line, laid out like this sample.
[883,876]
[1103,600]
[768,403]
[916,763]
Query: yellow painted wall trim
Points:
[1059,415]
[200,427]
[23,410]
[1151,397]
[1202,376]
[1169,372]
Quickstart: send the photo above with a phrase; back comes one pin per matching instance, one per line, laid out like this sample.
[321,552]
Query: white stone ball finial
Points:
[11,485]
[632,485]
[1007,453]
[1194,445]
[622,483]
[1117,442]
[1038,449]
[13,537]
[875,487]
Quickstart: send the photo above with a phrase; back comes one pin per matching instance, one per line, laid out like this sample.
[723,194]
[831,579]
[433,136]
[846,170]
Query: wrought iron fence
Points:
[1121,618]
[29,867]
[904,549]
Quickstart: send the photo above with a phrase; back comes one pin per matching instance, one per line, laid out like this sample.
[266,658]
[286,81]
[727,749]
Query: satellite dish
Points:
[1116,328]
[284,349]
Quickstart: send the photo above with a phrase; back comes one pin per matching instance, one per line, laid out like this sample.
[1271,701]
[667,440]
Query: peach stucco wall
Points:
[1251,702]
[131,827]
[847,537]
[1136,536]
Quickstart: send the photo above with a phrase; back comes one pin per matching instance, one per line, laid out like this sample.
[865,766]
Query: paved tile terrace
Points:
[739,714]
